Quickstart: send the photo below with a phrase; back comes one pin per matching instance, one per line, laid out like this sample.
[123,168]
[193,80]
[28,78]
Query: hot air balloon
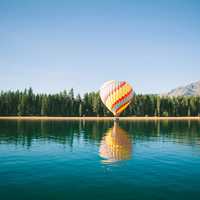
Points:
[116,145]
[116,95]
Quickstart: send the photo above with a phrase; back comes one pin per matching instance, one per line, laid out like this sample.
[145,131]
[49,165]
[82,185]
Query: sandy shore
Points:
[96,118]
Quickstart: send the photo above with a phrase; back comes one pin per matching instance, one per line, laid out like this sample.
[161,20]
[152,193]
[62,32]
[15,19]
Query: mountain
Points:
[192,89]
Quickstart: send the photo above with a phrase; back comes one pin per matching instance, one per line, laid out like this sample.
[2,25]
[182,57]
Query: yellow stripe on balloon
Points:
[112,98]
[122,108]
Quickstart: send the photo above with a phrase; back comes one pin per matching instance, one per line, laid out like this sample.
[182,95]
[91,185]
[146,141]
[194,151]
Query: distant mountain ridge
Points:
[192,89]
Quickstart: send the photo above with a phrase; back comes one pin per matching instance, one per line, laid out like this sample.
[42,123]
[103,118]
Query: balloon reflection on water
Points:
[116,145]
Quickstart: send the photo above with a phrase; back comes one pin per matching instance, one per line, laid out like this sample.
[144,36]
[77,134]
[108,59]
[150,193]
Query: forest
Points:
[28,103]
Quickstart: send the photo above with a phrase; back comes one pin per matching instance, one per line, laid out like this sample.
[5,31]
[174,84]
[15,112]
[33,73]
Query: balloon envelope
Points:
[116,95]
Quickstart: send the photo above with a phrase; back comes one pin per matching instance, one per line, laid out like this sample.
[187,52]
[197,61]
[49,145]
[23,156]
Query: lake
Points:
[99,160]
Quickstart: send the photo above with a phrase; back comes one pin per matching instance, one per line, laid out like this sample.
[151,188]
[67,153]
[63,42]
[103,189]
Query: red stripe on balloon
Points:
[122,98]
[121,106]
[115,89]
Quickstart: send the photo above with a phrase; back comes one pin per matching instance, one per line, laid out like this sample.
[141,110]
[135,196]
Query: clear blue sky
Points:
[56,45]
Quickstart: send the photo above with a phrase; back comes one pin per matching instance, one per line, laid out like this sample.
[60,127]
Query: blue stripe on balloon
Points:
[122,102]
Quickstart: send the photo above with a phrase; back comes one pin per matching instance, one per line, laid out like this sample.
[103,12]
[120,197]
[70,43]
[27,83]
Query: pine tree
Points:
[158,106]
[44,106]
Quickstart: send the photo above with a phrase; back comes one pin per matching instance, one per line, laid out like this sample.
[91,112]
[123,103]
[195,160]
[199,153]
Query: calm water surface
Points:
[99,160]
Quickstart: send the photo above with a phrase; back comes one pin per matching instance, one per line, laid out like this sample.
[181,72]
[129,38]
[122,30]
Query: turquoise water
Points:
[97,160]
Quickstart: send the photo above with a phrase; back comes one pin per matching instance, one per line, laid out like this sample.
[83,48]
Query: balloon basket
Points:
[116,119]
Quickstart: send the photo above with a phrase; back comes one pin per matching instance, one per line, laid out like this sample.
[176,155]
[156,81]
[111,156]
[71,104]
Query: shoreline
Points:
[96,118]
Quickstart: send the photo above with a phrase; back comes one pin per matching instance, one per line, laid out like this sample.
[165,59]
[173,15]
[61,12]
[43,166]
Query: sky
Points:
[56,45]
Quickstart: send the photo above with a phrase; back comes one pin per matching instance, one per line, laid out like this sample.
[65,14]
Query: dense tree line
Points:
[26,103]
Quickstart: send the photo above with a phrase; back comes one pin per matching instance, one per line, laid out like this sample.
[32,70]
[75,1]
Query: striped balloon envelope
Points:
[116,95]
